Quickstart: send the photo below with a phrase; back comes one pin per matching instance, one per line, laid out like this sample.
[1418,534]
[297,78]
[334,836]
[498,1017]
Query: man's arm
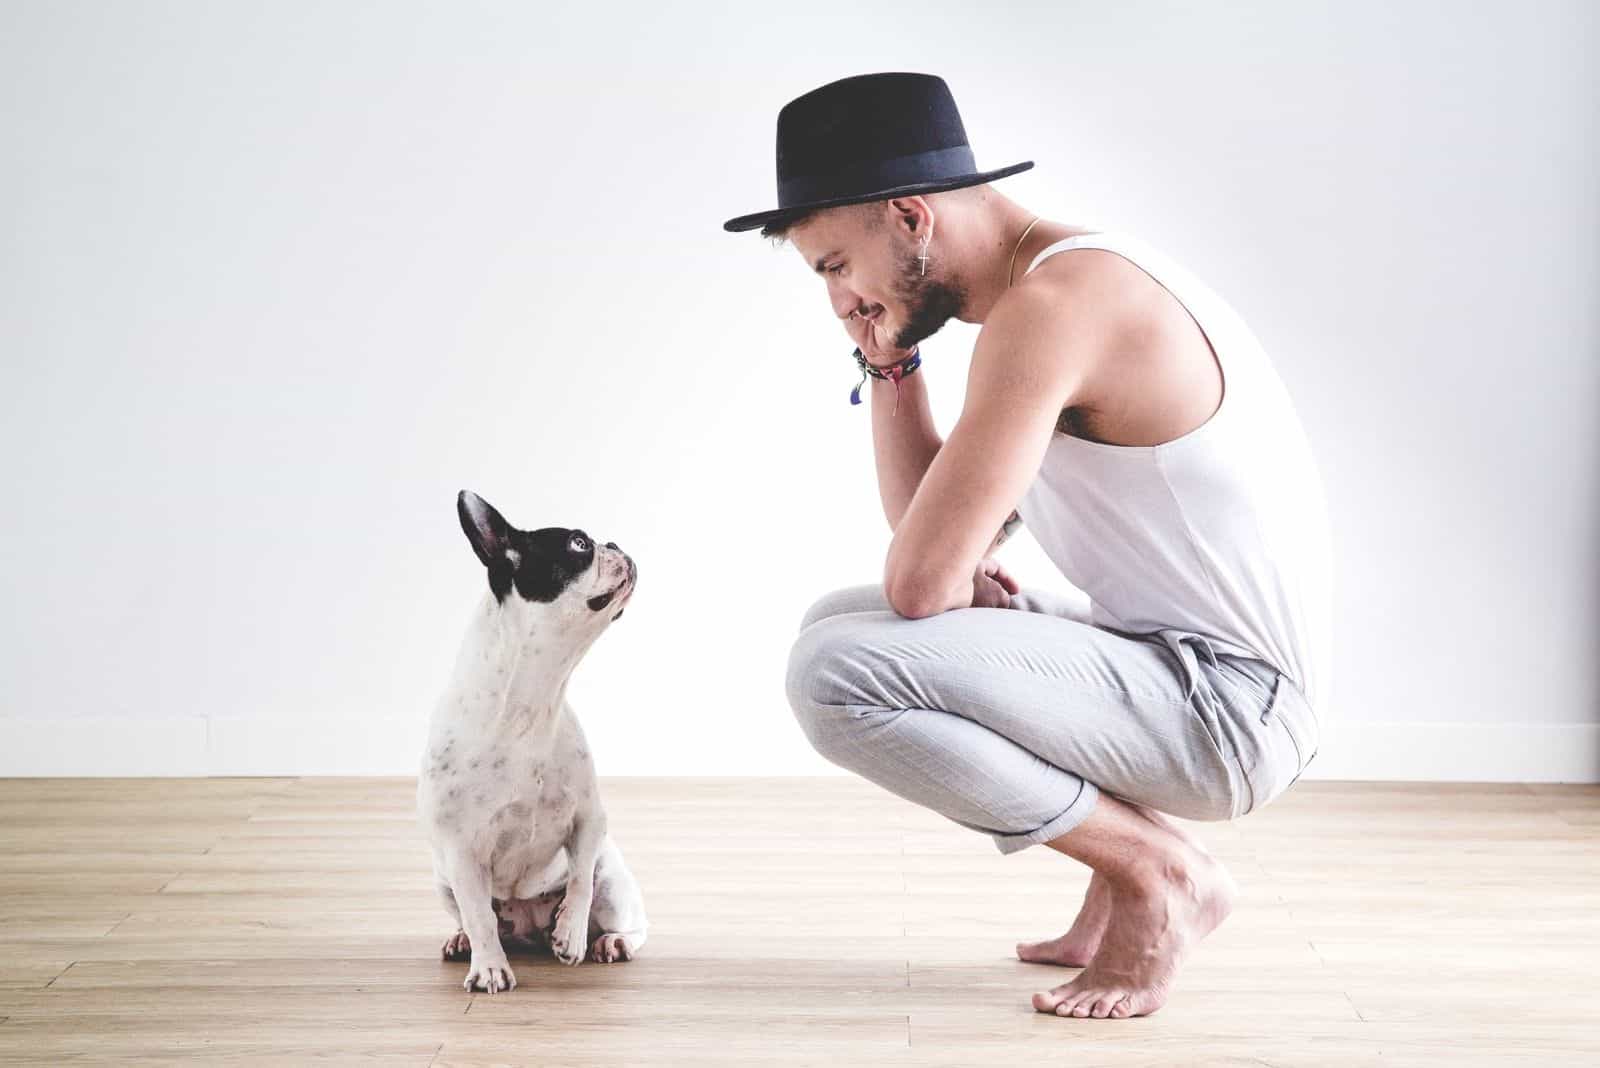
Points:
[1008,528]
[1030,362]
[904,442]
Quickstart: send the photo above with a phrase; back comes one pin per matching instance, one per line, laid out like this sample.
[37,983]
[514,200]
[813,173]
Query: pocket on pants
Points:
[1285,740]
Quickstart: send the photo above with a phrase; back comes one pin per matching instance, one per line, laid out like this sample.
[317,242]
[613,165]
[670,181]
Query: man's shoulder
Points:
[1053,331]
[1082,300]
[1087,285]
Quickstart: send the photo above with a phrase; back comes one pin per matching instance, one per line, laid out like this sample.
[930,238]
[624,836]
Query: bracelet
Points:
[893,373]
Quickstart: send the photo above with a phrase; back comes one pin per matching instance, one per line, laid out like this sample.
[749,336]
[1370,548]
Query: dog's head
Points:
[553,575]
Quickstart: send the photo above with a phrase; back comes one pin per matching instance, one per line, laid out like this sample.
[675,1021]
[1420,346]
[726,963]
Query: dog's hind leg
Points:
[458,946]
[617,924]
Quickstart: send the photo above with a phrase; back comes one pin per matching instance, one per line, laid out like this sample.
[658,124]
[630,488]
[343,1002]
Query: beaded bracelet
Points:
[893,373]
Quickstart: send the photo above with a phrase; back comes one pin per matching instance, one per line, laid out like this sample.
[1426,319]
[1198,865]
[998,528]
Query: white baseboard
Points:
[103,746]
[331,746]
[1458,752]
[197,746]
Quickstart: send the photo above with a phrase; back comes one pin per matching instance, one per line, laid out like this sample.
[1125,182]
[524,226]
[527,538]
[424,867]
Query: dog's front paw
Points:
[491,976]
[567,935]
[457,947]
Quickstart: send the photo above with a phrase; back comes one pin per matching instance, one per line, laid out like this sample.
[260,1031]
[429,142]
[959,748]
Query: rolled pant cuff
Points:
[1058,825]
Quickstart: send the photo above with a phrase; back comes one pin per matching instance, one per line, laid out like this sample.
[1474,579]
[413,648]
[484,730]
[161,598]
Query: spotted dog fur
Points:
[507,790]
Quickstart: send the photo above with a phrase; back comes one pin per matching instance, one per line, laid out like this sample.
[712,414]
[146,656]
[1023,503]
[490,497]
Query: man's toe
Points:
[1052,1000]
[1102,1005]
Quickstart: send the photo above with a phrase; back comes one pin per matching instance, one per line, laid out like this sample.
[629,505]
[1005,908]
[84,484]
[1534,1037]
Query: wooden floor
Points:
[793,921]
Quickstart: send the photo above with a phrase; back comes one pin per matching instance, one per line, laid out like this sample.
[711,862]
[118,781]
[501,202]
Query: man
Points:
[1124,412]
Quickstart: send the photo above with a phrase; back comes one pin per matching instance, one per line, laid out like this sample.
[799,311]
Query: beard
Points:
[929,302]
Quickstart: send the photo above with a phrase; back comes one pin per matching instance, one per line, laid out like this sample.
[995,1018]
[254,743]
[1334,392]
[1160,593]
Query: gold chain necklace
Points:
[1017,249]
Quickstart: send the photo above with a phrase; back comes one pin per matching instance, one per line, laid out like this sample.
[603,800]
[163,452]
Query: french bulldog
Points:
[507,791]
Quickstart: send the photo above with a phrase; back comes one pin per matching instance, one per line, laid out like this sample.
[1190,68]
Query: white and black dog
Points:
[507,793]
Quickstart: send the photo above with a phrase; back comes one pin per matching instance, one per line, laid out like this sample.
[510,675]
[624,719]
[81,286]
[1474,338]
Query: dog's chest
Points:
[525,834]
[510,806]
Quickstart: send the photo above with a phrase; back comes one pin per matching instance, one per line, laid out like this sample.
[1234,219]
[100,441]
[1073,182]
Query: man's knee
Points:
[807,657]
[815,686]
[860,598]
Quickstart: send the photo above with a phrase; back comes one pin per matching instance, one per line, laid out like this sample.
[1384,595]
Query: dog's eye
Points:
[578,544]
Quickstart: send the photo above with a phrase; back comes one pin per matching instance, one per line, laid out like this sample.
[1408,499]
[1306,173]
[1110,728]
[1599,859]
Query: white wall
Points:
[277,280]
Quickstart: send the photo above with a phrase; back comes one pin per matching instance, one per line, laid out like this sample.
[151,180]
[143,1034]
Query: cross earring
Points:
[923,255]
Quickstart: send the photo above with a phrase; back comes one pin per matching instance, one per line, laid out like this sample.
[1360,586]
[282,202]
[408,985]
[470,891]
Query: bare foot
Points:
[1157,916]
[1079,945]
[1075,948]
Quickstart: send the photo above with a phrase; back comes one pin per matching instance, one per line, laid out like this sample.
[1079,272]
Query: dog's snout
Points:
[633,569]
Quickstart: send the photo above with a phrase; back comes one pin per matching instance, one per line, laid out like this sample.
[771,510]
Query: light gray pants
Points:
[1011,721]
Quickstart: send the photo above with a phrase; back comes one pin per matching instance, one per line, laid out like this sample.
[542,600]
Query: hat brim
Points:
[760,218]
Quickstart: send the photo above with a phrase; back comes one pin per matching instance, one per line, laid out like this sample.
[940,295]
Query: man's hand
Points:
[992,585]
[875,344]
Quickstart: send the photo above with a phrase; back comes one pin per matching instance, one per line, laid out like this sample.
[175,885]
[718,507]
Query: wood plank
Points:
[250,921]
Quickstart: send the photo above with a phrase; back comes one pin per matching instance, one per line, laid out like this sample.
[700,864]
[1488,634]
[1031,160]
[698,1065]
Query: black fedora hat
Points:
[870,137]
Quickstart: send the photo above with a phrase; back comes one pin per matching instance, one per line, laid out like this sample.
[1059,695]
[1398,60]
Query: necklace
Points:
[1017,249]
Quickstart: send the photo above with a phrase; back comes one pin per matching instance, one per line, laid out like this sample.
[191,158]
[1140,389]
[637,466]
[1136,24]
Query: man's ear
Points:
[912,214]
[486,529]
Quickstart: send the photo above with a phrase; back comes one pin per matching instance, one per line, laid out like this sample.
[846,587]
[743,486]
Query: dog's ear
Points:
[486,529]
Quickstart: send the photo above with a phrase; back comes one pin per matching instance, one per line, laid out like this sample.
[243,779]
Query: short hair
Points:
[778,229]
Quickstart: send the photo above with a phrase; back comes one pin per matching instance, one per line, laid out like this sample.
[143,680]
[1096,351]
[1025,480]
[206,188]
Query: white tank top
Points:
[1223,531]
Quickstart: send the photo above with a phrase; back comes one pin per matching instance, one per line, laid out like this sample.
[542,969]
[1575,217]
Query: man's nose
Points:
[844,302]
